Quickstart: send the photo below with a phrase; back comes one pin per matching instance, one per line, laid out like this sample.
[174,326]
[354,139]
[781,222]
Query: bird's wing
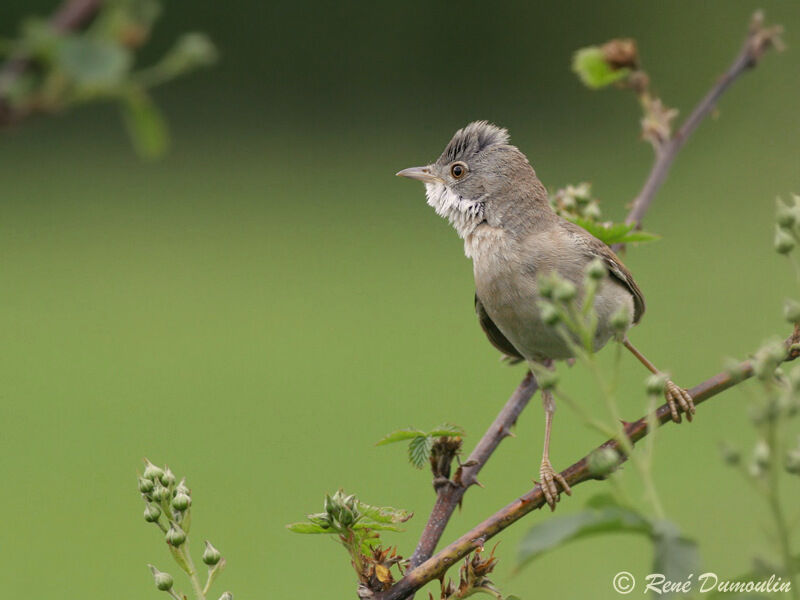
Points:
[618,271]
[495,336]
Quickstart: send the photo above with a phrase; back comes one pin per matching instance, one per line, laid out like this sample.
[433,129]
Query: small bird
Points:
[488,191]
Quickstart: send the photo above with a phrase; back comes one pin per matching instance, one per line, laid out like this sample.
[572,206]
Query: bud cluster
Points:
[787,224]
[576,201]
[168,504]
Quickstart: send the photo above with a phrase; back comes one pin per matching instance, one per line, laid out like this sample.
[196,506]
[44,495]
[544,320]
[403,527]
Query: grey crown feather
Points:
[473,138]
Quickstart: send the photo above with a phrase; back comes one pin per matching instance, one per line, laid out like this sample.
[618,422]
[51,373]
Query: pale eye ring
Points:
[458,170]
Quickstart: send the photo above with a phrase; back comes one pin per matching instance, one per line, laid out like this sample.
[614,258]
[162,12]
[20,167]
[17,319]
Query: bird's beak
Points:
[420,173]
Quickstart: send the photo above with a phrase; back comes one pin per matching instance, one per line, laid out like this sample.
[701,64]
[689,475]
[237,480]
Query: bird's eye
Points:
[458,170]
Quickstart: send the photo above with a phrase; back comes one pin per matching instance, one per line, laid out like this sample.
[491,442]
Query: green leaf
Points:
[376,526]
[309,528]
[384,514]
[614,233]
[593,70]
[560,530]
[93,63]
[145,124]
[446,429]
[400,435]
[419,450]
[675,556]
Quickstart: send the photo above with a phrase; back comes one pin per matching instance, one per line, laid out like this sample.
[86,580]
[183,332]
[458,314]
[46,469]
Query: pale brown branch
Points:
[759,39]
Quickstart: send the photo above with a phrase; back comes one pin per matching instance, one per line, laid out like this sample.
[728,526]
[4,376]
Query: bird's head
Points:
[479,177]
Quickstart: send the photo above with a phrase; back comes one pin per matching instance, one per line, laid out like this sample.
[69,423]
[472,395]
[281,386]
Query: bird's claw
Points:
[550,481]
[677,396]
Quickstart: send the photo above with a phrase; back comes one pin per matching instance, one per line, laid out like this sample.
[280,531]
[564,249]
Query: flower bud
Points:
[226,596]
[592,211]
[546,287]
[603,461]
[181,502]
[791,310]
[167,477]
[761,454]
[162,580]
[145,485]
[564,291]
[730,455]
[547,380]
[211,555]
[159,492]
[596,270]
[175,535]
[181,488]
[734,369]
[151,471]
[784,243]
[792,462]
[656,384]
[151,512]
[549,314]
[784,215]
[621,320]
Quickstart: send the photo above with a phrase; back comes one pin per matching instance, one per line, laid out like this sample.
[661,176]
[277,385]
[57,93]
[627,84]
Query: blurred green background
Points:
[261,306]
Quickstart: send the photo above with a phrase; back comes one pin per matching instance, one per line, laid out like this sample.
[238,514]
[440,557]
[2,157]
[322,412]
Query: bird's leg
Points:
[675,396]
[547,474]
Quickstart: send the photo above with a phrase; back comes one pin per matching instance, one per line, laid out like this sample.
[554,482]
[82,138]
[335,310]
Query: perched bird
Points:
[488,191]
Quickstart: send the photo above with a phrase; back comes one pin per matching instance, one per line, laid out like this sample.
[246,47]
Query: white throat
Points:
[464,215]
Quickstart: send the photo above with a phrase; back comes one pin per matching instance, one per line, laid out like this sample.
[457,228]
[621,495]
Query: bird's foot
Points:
[677,396]
[551,479]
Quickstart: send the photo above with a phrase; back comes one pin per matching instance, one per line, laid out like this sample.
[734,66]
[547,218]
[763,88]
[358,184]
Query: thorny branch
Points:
[423,568]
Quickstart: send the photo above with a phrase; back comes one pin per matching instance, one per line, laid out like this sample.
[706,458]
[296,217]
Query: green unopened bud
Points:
[330,507]
[792,462]
[211,555]
[734,369]
[159,492]
[784,242]
[730,455]
[767,359]
[547,286]
[346,517]
[791,310]
[621,320]
[564,291]
[603,461]
[167,477]
[181,502]
[175,535]
[549,314]
[151,513]
[181,488]
[162,580]
[656,384]
[151,471]
[226,596]
[761,454]
[592,211]
[784,215]
[145,485]
[547,380]
[596,269]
